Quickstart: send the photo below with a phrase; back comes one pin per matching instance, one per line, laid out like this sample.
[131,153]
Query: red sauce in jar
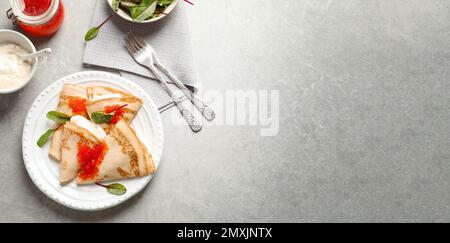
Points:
[89,159]
[78,105]
[119,111]
[36,8]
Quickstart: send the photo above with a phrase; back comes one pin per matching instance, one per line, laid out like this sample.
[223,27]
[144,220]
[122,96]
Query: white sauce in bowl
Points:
[13,71]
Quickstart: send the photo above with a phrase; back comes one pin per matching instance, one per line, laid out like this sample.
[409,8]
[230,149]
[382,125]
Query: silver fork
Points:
[142,56]
[206,111]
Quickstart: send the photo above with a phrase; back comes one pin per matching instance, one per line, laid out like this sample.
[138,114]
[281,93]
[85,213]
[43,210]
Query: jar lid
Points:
[43,16]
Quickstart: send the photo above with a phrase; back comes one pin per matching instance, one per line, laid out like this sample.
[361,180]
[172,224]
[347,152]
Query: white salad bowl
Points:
[10,36]
[125,15]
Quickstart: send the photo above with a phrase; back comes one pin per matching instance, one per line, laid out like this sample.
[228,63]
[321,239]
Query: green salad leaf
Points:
[116,189]
[140,10]
[58,117]
[100,117]
[143,13]
[164,3]
[91,34]
[44,137]
[115,5]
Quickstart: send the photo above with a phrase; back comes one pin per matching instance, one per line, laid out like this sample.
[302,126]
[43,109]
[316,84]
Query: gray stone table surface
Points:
[364,117]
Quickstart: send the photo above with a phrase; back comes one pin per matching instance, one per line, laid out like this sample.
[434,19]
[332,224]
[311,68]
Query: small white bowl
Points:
[126,16]
[10,36]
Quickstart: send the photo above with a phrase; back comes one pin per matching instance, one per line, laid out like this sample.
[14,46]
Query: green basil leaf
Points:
[116,189]
[92,34]
[44,138]
[115,5]
[100,117]
[58,117]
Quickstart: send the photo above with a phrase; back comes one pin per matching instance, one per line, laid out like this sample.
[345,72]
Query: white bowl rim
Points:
[125,16]
[35,64]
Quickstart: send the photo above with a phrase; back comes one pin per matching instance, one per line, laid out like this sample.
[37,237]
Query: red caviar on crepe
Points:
[91,156]
[93,152]
[118,112]
[78,100]
[72,101]
[78,105]
[82,146]
[127,157]
[108,99]
[101,149]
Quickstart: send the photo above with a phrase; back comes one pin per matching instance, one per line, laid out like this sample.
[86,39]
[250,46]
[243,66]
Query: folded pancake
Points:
[91,156]
[104,98]
[126,157]
[72,101]
[78,137]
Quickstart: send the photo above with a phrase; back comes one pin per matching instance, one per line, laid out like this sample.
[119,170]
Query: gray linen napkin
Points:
[169,37]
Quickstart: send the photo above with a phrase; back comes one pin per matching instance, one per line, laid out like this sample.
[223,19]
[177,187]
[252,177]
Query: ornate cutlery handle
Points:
[206,111]
[195,125]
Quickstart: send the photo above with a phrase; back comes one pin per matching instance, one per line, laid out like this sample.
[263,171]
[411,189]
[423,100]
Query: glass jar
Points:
[38,18]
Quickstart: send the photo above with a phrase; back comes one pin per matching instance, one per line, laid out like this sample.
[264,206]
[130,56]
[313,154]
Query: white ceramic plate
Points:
[126,16]
[44,171]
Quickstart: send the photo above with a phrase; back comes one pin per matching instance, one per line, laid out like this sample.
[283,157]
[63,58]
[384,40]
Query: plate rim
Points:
[95,76]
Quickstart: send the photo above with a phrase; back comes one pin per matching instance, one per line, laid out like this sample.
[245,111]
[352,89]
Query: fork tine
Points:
[127,43]
[138,40]
[133,39]
[133,43]
[129,47]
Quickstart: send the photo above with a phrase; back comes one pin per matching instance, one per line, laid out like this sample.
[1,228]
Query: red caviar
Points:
[119,111]
[78,105]
[89,159]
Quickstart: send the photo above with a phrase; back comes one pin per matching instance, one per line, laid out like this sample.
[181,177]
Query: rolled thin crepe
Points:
[126,157]
[68,91]
[100,97]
